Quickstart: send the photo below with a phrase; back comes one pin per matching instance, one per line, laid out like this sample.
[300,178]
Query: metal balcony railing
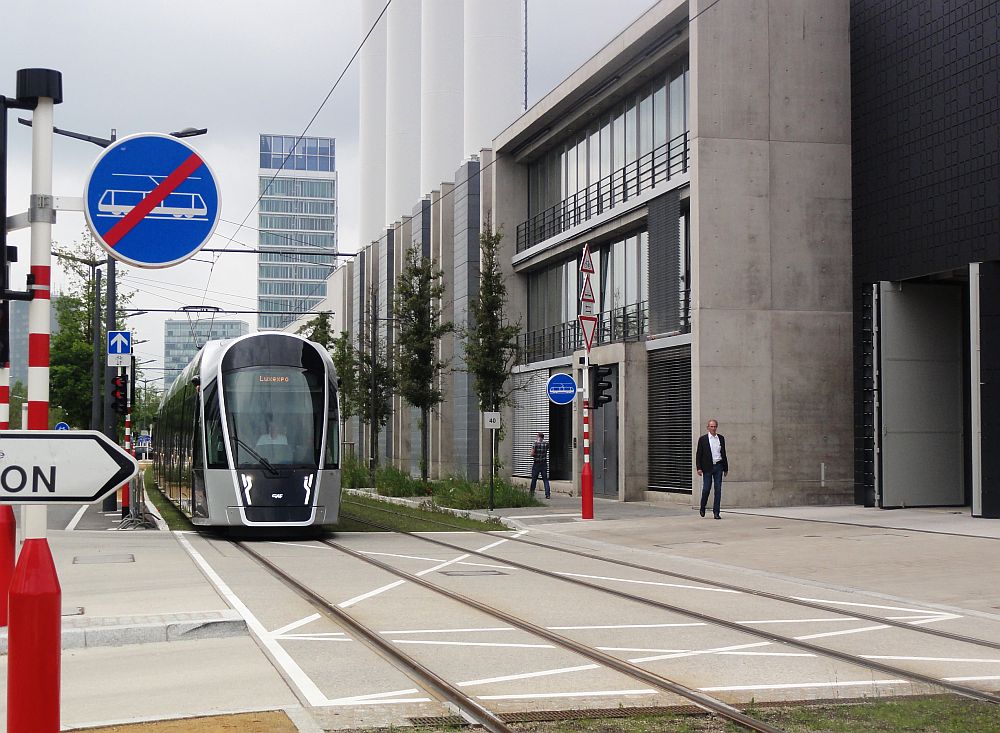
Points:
[651,169]
[628,323]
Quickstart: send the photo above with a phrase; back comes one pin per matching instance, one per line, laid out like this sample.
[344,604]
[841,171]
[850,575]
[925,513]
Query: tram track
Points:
[469,707]
[821,651]
[814,605]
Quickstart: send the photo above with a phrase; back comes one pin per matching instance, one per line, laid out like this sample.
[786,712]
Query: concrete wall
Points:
[443,251]
[771,244]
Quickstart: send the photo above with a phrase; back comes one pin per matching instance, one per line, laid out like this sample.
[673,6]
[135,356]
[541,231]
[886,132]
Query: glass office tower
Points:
[297,219]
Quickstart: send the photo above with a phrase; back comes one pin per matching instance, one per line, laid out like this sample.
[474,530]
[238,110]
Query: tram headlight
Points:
[247,482]
[307,484]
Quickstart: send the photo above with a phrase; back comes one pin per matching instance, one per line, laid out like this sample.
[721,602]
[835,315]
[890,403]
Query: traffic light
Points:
[602,384]
[119,395]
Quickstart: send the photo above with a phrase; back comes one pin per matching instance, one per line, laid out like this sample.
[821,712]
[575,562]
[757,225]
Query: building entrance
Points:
[919,405]
[604,442]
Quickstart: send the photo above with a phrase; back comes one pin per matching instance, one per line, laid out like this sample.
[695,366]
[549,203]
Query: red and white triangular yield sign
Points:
[589,326]
[586,263]
[587,292]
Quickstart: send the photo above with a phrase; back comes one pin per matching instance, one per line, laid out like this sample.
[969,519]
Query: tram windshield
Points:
[275,416]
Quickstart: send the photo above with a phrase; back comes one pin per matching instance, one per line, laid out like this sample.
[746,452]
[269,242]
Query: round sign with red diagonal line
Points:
[151,200]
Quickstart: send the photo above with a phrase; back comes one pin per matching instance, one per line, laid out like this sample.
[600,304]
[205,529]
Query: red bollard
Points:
[8,551]
[34,643]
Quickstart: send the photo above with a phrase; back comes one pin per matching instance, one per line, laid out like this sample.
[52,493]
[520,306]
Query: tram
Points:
[248,435]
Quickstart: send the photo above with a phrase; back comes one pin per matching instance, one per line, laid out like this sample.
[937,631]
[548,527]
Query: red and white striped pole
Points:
[33,657]
[587,475]
[8,526]
[128,437]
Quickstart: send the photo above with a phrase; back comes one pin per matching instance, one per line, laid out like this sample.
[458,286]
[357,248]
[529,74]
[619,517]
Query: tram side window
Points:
[332,455]
[215,447]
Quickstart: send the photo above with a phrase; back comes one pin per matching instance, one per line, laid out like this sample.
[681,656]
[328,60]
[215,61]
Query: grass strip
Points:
[402,518]
[175,519]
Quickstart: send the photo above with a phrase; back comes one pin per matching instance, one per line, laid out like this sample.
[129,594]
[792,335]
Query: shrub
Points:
[354,474]
[390,481]
[461,493]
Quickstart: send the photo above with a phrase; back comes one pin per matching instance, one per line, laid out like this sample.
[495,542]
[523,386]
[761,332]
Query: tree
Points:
[491,349]
[71,347]
[375,379]
[346,363]
[319,330]
[419,331]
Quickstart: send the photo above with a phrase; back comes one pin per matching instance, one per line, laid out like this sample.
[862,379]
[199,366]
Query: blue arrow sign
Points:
[119,342]
[561,389]
[151,200]
[62,426]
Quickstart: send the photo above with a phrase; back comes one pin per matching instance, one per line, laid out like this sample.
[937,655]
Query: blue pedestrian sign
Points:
[119,342]
[151,200]
[62,426]
[561,389]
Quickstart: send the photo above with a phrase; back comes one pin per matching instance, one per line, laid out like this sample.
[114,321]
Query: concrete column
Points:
[441,91]
[402,102]
[494,69]
[443,251]
[372,133]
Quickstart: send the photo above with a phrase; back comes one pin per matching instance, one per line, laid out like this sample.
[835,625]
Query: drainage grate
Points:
[102,559]
[470,573]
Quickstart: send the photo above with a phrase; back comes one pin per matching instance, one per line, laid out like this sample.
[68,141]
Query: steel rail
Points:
[963,690]
[700,699]
[815,605]
[469,708]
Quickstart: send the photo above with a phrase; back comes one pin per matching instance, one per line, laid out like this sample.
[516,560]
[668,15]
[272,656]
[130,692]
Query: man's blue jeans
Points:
[713,475]
[540,468]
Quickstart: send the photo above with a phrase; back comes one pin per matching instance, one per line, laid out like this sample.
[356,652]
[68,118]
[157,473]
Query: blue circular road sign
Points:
[151,200]
[62,426]
[561,389]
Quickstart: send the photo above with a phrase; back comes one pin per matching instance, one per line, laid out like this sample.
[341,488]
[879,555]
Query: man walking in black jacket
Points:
[712,464]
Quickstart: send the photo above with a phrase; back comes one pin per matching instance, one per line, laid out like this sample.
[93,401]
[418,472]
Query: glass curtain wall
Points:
[644,121]
[621,281]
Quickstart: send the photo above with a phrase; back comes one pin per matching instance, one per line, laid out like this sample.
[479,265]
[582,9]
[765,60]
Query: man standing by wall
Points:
[712,464]
[540,463]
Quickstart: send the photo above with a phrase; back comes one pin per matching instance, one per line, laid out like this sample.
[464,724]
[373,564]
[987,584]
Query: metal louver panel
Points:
[664,264]
[671,453]
[531,415]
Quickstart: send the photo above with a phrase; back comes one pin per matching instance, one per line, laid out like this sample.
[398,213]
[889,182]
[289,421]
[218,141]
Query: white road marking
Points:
[804,685]
[379,698]
[76,518]
[700,652]
[295,673]
[842,632]
[313,637]
[931,659]
[990,678]
[440,565]
[542,695]
[296,624]
[433,559]
[649,582]
[449,631]
[543,516]
[529,675]
[493,544]
[370,594]
[920,611]
[798,621]
[429,642]
[626,626]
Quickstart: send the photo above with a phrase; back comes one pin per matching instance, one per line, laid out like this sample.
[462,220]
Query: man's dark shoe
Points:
[718,517]
[702,512]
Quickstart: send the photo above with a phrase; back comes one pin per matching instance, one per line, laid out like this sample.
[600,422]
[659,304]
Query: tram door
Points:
[920,420]
[604,442]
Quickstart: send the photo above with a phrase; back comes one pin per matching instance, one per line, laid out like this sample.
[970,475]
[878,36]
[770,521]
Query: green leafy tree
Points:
[71,347]
[345,361]
[319,330]
[419,331]
[375,378]
[491,348]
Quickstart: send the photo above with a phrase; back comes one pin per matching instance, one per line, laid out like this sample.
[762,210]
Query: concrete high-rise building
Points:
[183,338]
[297,217]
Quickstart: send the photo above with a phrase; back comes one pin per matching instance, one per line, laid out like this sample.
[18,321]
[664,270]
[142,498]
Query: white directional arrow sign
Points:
[56,466]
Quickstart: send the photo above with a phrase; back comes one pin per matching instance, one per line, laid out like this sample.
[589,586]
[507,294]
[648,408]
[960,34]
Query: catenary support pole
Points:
[95,326]
[128,435]
[110,421]
[33,657]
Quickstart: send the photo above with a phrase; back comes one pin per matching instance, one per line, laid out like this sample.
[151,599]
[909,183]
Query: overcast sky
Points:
[239,69]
